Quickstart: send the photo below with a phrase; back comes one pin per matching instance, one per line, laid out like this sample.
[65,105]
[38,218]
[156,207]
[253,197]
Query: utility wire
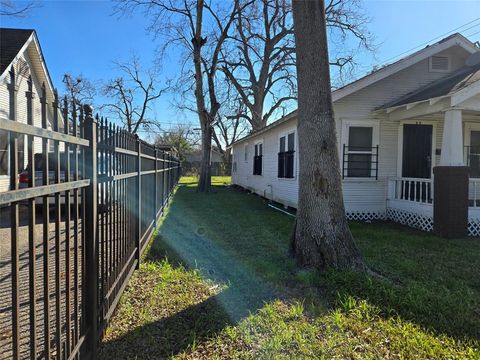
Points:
[438,37]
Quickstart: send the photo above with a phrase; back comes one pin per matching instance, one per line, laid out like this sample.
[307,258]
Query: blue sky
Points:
[85,37]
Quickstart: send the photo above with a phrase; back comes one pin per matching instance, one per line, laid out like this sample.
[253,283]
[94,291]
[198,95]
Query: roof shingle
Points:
[11,41]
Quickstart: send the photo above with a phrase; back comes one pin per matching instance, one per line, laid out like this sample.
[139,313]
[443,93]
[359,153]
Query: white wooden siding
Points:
[360,195]
[21,114]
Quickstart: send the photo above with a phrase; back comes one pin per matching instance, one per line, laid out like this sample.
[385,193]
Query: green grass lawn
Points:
[218,282]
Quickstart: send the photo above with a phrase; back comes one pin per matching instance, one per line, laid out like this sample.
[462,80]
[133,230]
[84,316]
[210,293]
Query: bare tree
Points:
[78,89]
[182,137]
[16,8]
[260,61]
[322,237]
[133,94]
[227,130]
[261,68]
[200,28]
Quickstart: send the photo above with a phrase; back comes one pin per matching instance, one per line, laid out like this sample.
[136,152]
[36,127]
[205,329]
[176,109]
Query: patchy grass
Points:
[230,289]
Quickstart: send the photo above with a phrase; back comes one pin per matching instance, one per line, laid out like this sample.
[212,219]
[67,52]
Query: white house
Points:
[394,126]
[20,51]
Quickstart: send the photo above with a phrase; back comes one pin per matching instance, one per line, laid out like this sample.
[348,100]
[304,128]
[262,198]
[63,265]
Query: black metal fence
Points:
[64,267]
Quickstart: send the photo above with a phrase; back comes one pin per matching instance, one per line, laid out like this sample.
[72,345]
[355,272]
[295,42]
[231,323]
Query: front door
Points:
[417,151]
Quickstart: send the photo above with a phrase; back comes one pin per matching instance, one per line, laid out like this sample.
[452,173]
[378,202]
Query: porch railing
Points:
[411,189]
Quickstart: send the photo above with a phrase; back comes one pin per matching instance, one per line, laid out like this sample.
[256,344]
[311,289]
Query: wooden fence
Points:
[99,192]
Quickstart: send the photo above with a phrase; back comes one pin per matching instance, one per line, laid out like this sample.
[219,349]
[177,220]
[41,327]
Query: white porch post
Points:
[450,204]
[452,141]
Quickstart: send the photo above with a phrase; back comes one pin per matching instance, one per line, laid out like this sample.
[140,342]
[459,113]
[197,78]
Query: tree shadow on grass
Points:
[171,335]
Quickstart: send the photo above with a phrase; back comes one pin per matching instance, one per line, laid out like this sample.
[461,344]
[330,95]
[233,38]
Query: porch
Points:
[439,132]
[410,202]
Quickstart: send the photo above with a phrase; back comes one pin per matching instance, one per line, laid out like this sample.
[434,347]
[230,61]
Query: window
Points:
[257,159]
[21,152]
[234,167]
[359,154]
[286,156]
[246,152]
[474,154]
[4,152]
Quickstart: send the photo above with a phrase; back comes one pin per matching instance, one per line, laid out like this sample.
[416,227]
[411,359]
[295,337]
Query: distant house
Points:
[393,127]
[21,55]
[193,160]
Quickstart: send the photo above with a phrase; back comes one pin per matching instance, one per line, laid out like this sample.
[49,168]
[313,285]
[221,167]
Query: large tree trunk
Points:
[257,116]
[204,183]
[198,41]
[322,237]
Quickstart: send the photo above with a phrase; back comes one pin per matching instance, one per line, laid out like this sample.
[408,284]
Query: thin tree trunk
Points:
[322,236]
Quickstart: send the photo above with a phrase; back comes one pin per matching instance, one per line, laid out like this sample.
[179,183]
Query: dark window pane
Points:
[359,165]
[474,155]
[291,142]
[260,149]
[257,165]
[3,152]
[289,158]
[281,164]
[282,144]
[360,138]
[21,152]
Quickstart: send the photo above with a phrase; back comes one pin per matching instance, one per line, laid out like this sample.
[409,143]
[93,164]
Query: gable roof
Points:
[403,63]
[11,42]
[449,85]
[456,39]
[16,42]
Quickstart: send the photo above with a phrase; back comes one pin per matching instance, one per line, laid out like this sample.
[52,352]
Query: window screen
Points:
[360,138]
[359,151]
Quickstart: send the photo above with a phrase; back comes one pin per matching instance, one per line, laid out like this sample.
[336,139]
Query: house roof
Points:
[11,42]
[390,69]
[14,43]
[282,120]
[457,81]
[456,39]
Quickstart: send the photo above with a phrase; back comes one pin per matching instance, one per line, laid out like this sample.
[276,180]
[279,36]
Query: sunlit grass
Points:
[230,289]
[216,180]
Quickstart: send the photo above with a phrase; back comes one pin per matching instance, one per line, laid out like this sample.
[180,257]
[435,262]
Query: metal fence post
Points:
[91,271]
[155,191]
[139,200]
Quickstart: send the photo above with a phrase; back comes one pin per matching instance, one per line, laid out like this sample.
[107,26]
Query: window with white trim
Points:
[286,156]
[257,159]
[360,154]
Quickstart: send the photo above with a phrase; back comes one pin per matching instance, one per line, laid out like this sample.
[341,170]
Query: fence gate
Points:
[80,202]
